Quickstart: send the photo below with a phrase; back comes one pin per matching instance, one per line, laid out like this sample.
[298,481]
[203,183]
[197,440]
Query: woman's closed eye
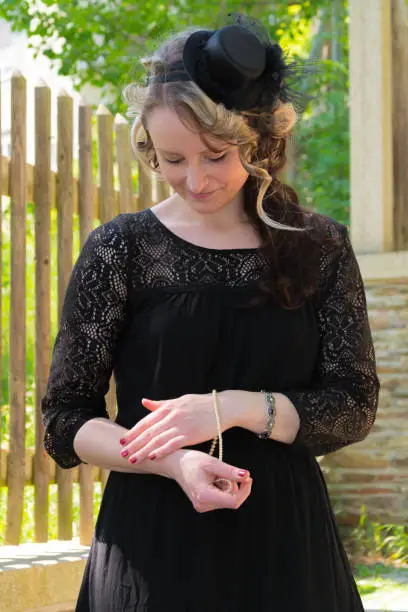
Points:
[212,159]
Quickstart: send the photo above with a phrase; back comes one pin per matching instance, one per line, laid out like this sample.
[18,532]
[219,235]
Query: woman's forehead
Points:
[169,133]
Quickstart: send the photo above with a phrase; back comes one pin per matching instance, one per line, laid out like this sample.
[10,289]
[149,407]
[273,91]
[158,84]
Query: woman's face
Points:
[205,180]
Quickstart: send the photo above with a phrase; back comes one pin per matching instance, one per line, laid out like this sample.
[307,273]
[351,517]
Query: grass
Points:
[373,578]
[379,557]
[382,586]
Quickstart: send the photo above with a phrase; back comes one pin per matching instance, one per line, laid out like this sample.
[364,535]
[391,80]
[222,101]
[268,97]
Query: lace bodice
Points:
[136,253]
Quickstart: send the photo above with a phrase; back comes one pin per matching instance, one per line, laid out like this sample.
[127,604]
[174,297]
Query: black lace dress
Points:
[170,318]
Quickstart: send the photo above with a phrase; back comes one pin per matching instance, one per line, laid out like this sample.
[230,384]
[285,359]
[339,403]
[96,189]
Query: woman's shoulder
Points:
[327,228]
[113,240]
[122,227]
[333,246]
[123,222]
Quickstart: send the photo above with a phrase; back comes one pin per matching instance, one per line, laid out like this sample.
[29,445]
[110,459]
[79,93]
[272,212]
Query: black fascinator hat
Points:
[239,66]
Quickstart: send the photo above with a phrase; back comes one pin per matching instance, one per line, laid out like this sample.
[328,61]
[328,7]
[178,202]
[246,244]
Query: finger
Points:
[152,404]
[243,492]
[235,488]
[146,443]
[143,424]
[202,506]
[225,470]
[212,496]
[172,445]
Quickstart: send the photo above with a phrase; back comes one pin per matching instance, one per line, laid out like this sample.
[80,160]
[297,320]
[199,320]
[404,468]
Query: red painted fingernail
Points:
[122,441]
[243,473]
[124,453]
[133,460]
[153,456]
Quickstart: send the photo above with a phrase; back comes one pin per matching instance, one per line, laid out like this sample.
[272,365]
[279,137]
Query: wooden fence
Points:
[70,195]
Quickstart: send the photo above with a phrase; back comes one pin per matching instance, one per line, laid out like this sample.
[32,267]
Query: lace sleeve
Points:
[92,316]
[340,407]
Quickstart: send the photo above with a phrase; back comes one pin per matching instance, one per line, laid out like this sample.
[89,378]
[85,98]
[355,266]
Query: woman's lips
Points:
[200,196]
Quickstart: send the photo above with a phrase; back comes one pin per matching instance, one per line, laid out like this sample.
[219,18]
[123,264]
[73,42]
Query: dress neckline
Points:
[178,238]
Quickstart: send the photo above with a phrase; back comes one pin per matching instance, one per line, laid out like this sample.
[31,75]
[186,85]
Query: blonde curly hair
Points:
[259,136]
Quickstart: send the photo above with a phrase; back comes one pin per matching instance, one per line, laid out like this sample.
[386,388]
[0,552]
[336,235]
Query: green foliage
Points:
[100,43]
[387,584]
[372,539]
[322,146]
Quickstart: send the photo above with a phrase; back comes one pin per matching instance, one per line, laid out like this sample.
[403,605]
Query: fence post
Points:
[86,211]
[17,373]
[105,163]
[86,190]
[144,199]
[42,201]
[106,212]
[64,200]
[162,189]
[124,160]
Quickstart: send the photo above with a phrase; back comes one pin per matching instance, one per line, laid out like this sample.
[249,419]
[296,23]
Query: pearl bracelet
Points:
[271,409]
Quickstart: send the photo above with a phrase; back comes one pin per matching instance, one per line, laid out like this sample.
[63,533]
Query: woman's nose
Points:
[196,180]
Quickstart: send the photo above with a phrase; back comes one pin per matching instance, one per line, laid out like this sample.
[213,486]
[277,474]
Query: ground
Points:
[383,588]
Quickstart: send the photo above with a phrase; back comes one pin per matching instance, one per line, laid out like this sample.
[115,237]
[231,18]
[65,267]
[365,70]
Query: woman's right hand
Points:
[196,472]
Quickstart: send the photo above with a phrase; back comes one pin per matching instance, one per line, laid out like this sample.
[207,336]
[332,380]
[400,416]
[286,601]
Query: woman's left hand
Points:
[172,424]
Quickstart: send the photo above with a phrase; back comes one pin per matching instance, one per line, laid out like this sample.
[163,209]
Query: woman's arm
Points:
[92,319]
[247,409]
[97,443]
[339,407]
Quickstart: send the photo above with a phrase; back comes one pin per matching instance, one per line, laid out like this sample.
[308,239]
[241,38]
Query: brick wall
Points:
[374,472]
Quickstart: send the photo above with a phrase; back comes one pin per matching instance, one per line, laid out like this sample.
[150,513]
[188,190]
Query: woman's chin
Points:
[210,204]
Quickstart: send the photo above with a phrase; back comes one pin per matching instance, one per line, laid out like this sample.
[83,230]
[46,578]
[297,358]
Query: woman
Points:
[228,285]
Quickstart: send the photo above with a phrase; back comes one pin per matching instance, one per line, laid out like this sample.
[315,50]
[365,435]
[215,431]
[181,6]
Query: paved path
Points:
[382,603]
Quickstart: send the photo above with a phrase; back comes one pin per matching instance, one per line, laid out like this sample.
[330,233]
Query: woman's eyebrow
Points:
[168,152]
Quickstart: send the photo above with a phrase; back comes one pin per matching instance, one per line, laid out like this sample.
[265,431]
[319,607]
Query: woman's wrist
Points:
[244,409]
[169,466]
[172,463]
[247,409]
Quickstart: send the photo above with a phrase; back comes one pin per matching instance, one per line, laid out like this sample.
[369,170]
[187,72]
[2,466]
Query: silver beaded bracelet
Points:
[271,408]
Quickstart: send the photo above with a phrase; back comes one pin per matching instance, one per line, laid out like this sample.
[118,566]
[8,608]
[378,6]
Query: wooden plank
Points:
[162,189]
[144,188]
[86,217]
[371,178]
[107,212]
[17,373]
[86,190]
[124,161]
[42,201]
[64,199]
[105,163]
[400,120]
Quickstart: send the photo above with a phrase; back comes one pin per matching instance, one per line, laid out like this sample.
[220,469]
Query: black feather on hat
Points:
[239,66]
